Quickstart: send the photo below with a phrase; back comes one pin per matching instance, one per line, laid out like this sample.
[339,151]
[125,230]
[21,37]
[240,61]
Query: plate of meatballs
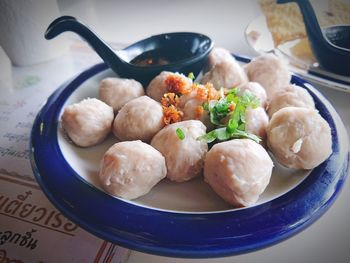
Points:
[236,159]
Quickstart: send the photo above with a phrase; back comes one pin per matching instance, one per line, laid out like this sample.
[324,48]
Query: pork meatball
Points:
[193,110]
[88,122]
[186,97]
[256,122]
[167,82]
[256,89]
[130,169]
[200,92]
[270,71]
[184,157]
[238,171]
[217,55]
[299,137]
[139,119]
[291,96]
[226,74]
[117,91]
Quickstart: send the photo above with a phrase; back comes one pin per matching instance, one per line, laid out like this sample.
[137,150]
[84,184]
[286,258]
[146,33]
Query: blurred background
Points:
[120,21]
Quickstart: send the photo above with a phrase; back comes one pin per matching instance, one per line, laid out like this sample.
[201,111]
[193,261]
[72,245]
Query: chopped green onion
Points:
[205,106]
[208,137]
[222,134]
[235,127]
[250,100]
[222,92]
[180,133]
[222,106]
[191,76]
[230,97]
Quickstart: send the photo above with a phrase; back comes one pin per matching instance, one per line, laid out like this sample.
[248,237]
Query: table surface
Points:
[327,240]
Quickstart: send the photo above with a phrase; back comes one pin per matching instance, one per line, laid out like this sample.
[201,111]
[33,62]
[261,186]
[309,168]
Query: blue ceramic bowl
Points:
[184,52]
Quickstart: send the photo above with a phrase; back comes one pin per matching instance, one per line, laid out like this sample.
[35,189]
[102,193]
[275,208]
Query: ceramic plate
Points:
[260,39]
[178,219]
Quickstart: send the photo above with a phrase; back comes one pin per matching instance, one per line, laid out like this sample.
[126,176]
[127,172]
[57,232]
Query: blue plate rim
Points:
[166,233]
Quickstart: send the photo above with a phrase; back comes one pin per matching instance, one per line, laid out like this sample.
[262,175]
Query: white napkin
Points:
[22,27]
[5,67]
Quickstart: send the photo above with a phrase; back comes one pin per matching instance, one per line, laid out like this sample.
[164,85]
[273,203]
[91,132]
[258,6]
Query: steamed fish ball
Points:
[256,122]
[88,122]
[130,169]
[200,92]
[139,119]
[226,74]
[238,171]
[299,137]
[270,71]
[184,157]
[193,110]
[190,109]
[291,96]
[117,91]
[159,86]
[217,55]
[256,89]
[187,97]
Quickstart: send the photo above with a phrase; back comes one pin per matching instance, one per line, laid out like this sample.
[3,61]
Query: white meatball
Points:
[116,91]
[187,97]
[226,74]
[270,71]
[256,89]
[217,55]
[184,158]
[238,171]
[130,169]
[88,122]
[299,137]
[193,110]
[291,96]
[256,122]
[158,86]
[139,119]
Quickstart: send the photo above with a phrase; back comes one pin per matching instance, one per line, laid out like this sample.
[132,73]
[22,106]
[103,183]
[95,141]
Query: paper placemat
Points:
[31,229]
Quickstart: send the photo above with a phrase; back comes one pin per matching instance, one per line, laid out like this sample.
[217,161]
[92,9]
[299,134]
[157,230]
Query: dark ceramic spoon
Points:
[330,45]
[182,52]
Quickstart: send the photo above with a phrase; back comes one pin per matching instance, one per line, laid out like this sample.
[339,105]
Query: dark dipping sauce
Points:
[157,57]
[339,36]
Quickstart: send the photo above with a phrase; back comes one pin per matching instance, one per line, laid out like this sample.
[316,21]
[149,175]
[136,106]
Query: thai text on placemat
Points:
[21,209]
